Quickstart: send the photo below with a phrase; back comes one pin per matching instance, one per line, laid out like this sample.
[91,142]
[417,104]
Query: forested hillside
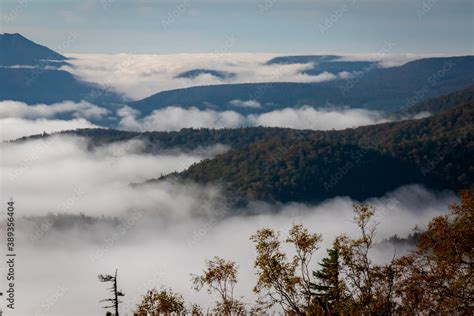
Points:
[360,163]
[304,165]
[441,103]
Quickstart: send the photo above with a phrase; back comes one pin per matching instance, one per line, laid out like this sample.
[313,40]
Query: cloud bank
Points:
[175,118]
[18,119]
[167,230]
[13,128]
[139,76]
[22,110]
[102,174]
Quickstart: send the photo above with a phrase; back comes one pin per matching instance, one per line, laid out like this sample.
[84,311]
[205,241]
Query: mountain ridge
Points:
[282,164]
[18,50]
[360,163]
[38,79]
[386,89]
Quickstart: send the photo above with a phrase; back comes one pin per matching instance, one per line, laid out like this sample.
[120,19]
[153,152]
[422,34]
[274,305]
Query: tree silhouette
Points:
[328,287]
[114,301]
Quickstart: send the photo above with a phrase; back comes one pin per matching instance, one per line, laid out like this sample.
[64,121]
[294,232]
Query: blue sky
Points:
[280,26]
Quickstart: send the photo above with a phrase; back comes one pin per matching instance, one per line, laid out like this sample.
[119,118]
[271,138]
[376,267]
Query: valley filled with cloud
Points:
[155,234]
[19,119]
[152,163]
[139,76]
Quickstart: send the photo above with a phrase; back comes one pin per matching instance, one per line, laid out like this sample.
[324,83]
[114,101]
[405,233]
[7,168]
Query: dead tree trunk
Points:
[114,302]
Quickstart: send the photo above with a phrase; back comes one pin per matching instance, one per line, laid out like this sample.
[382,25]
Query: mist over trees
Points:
[435,278]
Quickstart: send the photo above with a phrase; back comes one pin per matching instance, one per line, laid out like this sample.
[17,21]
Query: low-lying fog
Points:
[18,119]
[156,235]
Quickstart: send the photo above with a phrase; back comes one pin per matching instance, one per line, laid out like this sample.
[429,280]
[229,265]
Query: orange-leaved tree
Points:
[438,277]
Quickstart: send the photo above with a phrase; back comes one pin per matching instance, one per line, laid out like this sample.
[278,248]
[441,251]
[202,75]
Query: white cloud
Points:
[18,119]
[59,165]
[323,119]
[180,226]
[139,76]
[13,128]
[22,110]
[175,118]
[246,104]
[19,67]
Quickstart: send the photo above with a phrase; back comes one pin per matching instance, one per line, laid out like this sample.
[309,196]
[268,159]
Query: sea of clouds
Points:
[167,230]
[141,75]
[138,76]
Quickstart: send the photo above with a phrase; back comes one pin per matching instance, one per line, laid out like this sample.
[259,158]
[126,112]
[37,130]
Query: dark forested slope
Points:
[442,103]
[360,163]
[303,165]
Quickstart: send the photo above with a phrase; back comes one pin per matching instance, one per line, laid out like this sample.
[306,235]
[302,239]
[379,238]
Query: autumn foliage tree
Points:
[438,277]
[163,302]
[368,288]
[281,280]
[435,278]
[220,277]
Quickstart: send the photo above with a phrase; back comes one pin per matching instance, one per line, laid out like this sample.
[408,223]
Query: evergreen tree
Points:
[327,288]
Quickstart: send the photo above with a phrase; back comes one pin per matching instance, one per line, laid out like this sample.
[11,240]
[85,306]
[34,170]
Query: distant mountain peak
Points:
[18,50]
[12,35]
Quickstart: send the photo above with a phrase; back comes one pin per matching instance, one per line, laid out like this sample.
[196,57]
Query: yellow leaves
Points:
[363,213]
[302,239]
[218,272]
[164,302]
[220,276]
[280,280]
[438,276]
